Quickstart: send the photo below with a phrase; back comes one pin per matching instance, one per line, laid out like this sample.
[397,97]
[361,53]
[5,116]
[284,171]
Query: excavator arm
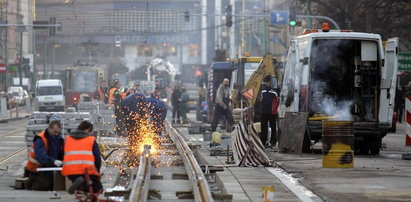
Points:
[252,87]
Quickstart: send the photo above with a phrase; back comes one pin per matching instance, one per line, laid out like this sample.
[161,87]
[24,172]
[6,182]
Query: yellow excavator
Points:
[248,76]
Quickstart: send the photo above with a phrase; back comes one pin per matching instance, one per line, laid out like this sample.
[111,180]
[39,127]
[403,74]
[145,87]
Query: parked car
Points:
[9,99]
[19,94]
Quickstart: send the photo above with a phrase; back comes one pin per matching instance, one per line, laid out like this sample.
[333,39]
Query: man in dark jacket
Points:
[47,151]
[184,98]
[222,107]
[175,102]
[157,111]
[268,95]
[75,172]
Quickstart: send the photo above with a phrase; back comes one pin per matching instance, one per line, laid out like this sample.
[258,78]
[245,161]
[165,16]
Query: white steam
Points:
[323,103]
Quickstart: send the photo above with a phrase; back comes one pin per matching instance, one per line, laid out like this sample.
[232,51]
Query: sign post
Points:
[404,61]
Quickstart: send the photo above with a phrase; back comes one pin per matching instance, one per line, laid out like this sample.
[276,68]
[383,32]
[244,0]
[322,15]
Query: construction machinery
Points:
[247,79]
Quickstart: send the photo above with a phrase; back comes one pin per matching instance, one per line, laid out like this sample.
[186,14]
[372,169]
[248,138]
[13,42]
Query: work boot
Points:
[76,185]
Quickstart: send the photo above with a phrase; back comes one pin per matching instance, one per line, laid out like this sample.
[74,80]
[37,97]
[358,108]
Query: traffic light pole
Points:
[319,17]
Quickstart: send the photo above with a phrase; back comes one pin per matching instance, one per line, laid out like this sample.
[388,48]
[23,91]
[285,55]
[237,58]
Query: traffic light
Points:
[229,15]
[292,21]
[187,16]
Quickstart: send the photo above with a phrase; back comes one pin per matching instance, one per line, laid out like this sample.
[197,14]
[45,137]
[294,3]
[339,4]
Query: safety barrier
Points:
[408,121]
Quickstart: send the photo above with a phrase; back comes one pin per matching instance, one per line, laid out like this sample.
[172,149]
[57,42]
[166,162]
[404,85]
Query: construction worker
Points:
[222,107]
[115,99]
[184,98]
[157,112]
[175,103]
[46,151]
[81,156]
[269,106]
[115,93]
[102,92]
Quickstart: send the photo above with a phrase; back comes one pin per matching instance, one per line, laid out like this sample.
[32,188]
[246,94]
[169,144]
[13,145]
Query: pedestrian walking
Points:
[399,103]
[184,104]
[222,107]
[175,103]
[81,156]
[269,106]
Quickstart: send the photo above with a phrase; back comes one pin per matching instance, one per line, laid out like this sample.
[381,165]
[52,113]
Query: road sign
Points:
[279,17]
[2,68]
[404,61]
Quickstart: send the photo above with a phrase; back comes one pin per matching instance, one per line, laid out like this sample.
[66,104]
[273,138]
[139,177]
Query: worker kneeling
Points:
[46,151]
[81,156]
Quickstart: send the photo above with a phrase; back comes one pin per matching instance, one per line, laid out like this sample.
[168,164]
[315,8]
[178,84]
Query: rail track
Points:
[12,155]
[173,175]
[12,132]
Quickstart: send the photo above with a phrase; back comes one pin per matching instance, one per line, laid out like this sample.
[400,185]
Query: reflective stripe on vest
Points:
[78,152]
[33,160]
[78,163]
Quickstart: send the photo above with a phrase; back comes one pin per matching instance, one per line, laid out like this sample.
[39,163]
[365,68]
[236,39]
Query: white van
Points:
[50,95]
[345,75]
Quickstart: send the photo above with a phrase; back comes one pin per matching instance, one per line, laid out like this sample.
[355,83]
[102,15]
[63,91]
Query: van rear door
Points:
[388,81]
[291,83]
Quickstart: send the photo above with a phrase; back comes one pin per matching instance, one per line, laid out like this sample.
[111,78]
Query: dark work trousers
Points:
[265,119]
[176,113]
[96,183]
[40,181]
[399,109]
[218,113]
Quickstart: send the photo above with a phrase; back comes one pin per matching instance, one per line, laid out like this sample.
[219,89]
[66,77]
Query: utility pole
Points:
[6,49]
[45,58]
[243,40]
[309,20]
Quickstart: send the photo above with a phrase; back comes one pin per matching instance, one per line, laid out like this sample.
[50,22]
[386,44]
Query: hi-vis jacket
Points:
[32,162]
[78,156]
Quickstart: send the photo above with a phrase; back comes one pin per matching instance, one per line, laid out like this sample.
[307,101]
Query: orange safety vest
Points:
[198,73]
[78,156]
[111,96]
[32,163]
[101,94]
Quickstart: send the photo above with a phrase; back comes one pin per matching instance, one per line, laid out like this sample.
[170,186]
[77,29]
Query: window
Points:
[49,90]
[193,50]
[249,68]
[84,81]
[146,51]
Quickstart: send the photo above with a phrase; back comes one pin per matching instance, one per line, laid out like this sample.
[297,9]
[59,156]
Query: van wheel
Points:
[376,147]
[306,144]
[363,148]
[375,151]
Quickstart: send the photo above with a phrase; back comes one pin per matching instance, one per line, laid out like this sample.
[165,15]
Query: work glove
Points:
[58,163]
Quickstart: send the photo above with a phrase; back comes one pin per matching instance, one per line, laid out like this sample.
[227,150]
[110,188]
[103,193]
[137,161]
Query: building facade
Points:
[15,40]
[126,32]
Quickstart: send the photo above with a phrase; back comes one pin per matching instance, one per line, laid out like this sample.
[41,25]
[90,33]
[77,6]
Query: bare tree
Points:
[389,18]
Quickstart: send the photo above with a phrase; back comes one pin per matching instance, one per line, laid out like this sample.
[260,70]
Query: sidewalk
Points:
[244,183]
[21,114]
